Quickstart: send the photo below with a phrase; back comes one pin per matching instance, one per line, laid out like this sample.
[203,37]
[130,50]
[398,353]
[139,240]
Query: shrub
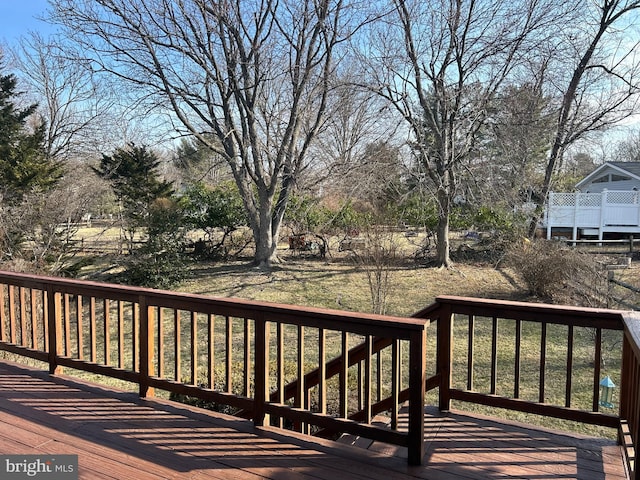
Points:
[213,209]
[553,271]
[160,261]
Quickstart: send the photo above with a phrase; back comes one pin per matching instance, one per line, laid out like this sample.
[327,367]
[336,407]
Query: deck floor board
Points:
[117,435]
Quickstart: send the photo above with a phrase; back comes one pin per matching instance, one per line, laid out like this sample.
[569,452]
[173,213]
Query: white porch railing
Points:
[608,211]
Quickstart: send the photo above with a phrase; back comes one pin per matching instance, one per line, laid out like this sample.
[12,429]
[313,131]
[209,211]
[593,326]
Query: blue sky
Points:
[17,17]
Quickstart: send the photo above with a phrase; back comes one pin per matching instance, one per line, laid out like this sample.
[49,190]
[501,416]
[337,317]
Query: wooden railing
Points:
[458,360]
[330,371]
[234,353]
[630,392]
[540,359]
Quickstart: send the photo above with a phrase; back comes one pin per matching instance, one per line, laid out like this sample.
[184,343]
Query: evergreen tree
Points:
[24,166]
[133,173]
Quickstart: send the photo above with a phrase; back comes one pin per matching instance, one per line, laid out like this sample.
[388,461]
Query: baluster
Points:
[67,325]
[3,315]
[120,334]
[135,334]
[470,342]
[92,328]
[322,371]
[177,360]
[516,366]
[567,392]
[379,375]
[344,376]
[280,366]
[79,329]
[300,390]
[494,354]
[106,308]
[23,317]
[543,360]
[12,315]
[367,378]
[160,341]
[34,319]
[247,358]
[194,348]
[211,321]
[597,362]
[228,354]
[45,319]
[395,383]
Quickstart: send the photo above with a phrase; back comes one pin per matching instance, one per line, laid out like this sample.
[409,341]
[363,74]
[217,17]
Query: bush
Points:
[160,261]
[555,272]
[213,209]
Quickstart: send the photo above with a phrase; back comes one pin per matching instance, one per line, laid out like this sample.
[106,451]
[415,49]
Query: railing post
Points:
[629,408]
[417,387]
[444,356]
[54,321]
[145,350]
[261,372]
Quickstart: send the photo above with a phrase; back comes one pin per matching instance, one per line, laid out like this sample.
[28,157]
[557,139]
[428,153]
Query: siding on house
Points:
[615,173]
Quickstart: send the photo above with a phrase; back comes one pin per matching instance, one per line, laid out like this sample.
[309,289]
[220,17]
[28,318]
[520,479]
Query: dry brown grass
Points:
[341,284]
[338,282]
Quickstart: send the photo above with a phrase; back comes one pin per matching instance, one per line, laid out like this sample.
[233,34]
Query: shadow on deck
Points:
[118,435]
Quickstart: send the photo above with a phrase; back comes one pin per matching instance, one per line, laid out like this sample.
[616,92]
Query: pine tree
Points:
[24,166]
[134,177]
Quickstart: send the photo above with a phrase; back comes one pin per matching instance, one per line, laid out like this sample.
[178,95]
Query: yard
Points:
[340,282]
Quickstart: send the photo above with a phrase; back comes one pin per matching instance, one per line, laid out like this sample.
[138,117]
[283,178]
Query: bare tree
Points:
[627,149]
[440,65]
[603,83]
[70,102]
[249,80]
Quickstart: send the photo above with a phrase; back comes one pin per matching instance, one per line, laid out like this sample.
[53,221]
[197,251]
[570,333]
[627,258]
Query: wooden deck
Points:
[118,436]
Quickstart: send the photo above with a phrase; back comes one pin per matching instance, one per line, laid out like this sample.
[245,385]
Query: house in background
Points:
[605,205]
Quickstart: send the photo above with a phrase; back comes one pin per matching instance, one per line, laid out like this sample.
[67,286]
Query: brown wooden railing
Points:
[459,321]
[330,371]
[235,353]
[535,358]
[630,392]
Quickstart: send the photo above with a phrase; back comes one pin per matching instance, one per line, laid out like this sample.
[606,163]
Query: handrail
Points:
[151,337]
[600,320]
[630,392]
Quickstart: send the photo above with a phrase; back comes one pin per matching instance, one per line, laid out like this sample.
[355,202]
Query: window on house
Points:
[603,179]
[619,178]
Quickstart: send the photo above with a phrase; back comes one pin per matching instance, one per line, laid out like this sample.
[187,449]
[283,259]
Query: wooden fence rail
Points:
[234,353]
[332,371]
[503,328]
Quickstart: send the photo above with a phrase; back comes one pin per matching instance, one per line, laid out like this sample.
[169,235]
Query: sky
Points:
[18,17]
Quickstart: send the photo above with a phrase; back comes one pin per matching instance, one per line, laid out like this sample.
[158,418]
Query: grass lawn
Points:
[338,282]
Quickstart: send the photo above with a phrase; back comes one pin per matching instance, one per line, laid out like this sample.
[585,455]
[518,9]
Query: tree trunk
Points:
[266,242]
[266,253]
[442,232]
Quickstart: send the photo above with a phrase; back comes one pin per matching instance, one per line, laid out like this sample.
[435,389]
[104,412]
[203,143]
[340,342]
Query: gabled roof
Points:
[631,169]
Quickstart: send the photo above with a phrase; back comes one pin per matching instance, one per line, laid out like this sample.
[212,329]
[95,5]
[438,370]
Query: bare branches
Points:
[441,65]
[252,76]
[590,100]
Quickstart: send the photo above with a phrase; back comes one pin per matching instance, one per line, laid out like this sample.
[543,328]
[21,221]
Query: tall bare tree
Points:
[440,64]
[70,103]
[604,78]
[249,79]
